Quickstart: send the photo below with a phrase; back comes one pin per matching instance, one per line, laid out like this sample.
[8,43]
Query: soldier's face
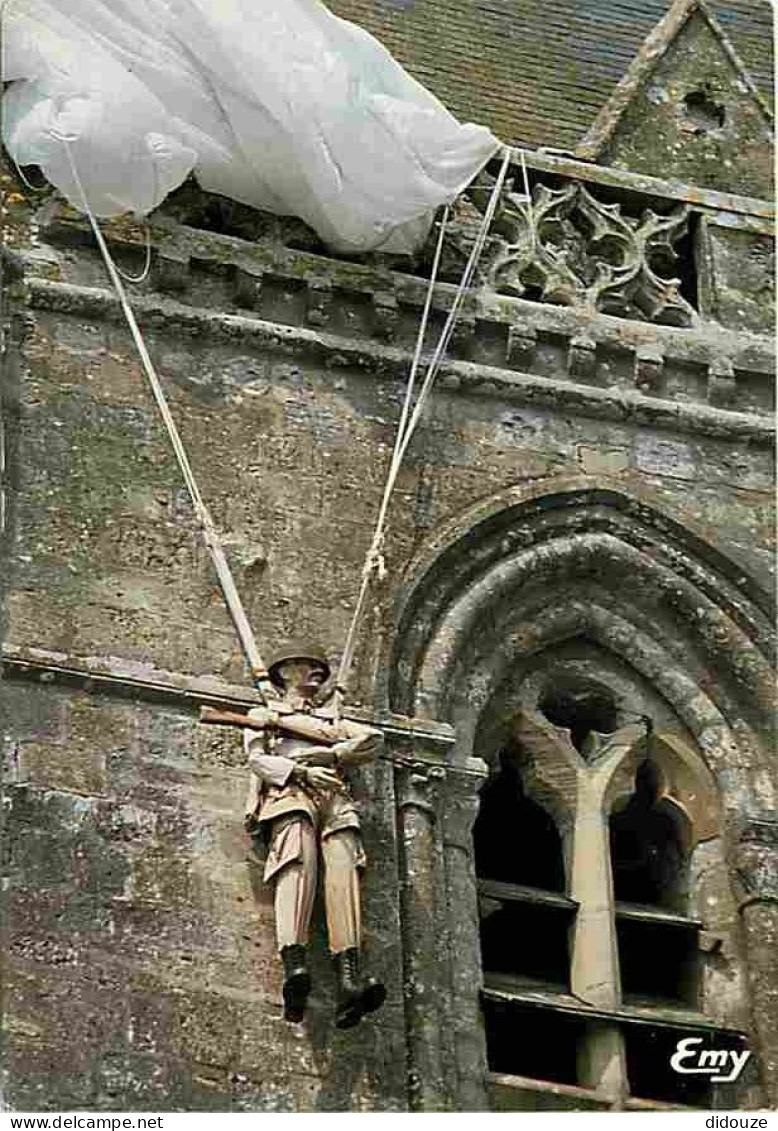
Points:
[302,676]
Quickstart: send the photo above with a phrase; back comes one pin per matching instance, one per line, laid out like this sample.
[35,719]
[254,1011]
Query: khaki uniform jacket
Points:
[273,793]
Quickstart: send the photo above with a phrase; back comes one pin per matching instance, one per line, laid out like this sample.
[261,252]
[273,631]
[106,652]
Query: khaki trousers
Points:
[295,853]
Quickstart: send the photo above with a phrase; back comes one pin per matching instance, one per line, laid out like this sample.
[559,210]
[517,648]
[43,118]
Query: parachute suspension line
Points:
[448,328]
[210,535]
[147,266]
[374,561]
[406,427]
[528,194]
[415,363]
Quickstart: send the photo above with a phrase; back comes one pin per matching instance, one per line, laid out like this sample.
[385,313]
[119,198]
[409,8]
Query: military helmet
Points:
[296,651]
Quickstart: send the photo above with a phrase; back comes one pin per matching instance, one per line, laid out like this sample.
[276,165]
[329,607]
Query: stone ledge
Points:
[746,206]
[245,268]
[546,1095]
[526,994]
[369,356]
[179,245]
[528,1094]
[125,679]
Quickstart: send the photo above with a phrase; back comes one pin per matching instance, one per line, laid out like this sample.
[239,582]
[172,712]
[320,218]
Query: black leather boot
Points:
[356,995]
[297,981]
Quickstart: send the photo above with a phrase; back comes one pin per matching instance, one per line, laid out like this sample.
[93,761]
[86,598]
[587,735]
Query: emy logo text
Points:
[723,1066]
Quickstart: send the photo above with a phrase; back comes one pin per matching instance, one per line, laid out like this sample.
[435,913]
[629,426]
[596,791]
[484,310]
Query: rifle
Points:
[298,724]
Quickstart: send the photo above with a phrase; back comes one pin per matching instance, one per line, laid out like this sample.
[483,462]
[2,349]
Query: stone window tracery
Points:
[508,611]
[618,794]
[571,244]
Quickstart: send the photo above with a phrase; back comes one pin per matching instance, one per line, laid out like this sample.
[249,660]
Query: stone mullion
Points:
[594,972]
[461,807]
[580,795]
[416,791]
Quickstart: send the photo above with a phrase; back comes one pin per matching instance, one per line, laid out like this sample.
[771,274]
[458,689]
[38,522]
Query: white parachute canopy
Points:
[275,103]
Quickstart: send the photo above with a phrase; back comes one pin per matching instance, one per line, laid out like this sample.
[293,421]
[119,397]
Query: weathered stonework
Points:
[590,495]
[688,107]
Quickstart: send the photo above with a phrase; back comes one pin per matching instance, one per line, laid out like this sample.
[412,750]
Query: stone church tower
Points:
[571,827]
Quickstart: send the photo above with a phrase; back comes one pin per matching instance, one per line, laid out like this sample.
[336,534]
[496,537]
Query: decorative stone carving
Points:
[582,358]
[572,249]
[722,386]
[418,784]
[246,289]
[550,767]
[463,335]
[461,806]
[320,302]
[386,314]
[534,246]
[171,273]
[522,344]
[627,256]
[649,368]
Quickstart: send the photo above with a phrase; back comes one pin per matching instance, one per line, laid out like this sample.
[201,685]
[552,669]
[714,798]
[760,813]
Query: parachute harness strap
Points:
[409,419]
[374,559]
[209,531]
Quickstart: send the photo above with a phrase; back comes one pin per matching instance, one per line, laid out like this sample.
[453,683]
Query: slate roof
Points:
[537,71]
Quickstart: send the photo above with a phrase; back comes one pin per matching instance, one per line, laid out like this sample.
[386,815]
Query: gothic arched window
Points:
[598,961]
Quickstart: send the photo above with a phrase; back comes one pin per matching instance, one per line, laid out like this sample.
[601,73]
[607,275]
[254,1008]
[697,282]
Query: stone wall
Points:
[141,936]
[141,969]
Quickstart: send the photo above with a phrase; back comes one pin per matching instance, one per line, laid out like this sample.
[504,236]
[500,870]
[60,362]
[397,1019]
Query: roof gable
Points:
[535,72]
[687,109]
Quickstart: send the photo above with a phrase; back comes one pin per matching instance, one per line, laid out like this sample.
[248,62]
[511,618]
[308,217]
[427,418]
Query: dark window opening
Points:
[515,840]
[651,1076]
[684,265]
[533,292]
[525,939]
[648,853]
[658,961]
[580,710]
[524,921]
[530,1042]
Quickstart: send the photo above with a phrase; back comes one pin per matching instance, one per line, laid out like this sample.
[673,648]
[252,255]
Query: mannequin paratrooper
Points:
[299,800]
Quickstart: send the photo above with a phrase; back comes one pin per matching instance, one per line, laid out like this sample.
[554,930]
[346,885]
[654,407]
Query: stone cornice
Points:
[427,739]
[746,211]
[334,351]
